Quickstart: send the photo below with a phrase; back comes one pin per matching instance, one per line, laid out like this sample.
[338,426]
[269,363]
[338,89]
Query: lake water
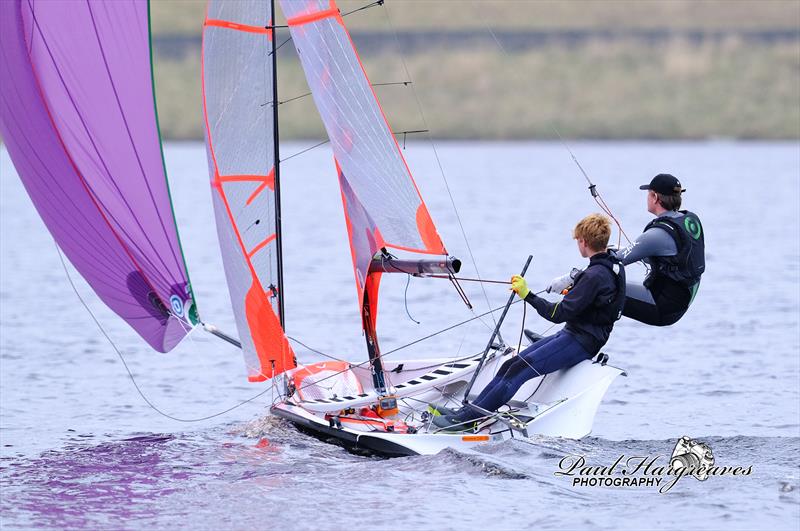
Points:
[80,447]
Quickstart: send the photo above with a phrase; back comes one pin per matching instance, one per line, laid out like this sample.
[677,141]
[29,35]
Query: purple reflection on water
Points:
[71,486]
[118,480]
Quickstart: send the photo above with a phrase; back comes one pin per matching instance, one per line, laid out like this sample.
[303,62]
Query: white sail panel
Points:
[370,163]
[237,93]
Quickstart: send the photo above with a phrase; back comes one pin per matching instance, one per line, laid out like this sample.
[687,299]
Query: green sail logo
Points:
[693,226]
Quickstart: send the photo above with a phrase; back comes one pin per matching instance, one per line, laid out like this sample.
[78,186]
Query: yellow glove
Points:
[519,286]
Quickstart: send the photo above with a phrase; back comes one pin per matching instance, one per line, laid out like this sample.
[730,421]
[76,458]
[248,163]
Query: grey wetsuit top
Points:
[652,242]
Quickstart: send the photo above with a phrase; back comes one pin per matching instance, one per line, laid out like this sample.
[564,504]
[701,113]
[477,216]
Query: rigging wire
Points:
[278,47]
[421,339]
[306,94]
[438,160]
[293,155]
[414,342]
[373,4]
[397,349]
[598,198]
[327,141]
[127,368]
[465,279]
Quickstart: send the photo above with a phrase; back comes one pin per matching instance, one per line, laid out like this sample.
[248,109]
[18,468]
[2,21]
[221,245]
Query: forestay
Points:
[382,204]
[237,94]
[77,113]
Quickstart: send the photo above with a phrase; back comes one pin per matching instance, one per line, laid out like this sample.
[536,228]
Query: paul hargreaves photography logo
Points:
[690,458]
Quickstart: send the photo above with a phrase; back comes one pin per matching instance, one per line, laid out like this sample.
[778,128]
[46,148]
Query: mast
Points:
[371,337]
[276,146]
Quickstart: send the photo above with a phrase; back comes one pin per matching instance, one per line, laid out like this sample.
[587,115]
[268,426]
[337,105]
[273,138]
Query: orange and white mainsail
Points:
[382,204]
[237,94]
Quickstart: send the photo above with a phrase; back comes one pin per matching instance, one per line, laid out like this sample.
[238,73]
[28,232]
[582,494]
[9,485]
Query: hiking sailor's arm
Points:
[652,242]
[573,304]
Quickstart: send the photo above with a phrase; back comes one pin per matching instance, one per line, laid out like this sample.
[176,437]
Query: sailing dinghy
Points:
[380,405]
[78,116]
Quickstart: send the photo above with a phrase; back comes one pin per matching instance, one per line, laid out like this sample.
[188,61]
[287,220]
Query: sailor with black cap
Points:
[673,245]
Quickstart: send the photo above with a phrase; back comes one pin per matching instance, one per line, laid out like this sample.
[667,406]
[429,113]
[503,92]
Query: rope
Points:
[127,368]
[405,299]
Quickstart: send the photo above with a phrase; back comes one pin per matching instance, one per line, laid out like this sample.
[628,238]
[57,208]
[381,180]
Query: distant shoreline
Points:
[542,141]
[591,83]
[421,41]
[522,69]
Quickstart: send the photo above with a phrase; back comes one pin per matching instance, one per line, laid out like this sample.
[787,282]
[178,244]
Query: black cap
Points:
[664,183]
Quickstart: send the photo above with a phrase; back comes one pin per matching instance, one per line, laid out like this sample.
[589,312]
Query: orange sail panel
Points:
[236,83]
[382,204]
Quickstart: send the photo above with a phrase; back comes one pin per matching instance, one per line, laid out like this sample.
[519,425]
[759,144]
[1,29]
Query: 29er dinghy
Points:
[78,117]
[380,405]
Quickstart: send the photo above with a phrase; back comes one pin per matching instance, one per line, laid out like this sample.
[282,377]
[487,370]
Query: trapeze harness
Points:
[673,280]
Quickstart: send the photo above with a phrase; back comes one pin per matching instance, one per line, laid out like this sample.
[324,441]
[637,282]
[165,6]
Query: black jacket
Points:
[592,305]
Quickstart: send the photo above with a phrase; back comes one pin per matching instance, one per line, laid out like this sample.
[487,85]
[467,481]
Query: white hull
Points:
[561,404]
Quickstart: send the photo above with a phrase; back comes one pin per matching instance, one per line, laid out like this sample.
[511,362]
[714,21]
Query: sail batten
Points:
[78,118]
[237,86]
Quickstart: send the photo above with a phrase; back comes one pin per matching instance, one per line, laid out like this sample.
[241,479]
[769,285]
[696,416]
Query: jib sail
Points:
[237,93]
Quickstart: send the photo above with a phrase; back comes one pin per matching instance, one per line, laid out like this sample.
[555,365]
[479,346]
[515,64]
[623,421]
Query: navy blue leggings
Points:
[550,354]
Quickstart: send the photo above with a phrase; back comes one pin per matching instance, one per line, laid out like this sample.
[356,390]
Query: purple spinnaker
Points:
[78,117]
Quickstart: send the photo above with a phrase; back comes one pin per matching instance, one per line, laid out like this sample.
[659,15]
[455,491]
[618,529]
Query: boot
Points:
[441,410]
[452,423]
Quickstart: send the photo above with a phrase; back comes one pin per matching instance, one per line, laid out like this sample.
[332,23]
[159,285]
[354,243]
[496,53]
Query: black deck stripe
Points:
[442,372]
[427,377]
